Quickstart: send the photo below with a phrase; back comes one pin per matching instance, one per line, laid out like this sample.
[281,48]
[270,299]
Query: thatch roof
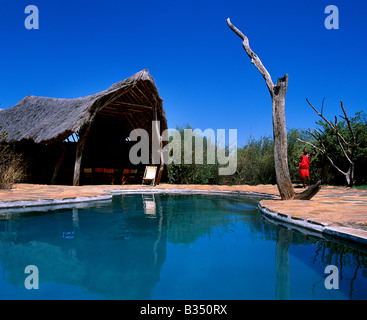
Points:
[45,120]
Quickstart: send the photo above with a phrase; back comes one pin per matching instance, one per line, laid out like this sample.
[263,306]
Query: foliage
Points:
[255,163]
[295,150]
[359,127]
[11,170]
[182,173]
[255,160]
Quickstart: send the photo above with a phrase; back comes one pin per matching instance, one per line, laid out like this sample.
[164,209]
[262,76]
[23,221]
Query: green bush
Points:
[295,150]
[330,175]
[255,163]
[193,173]
[255,160]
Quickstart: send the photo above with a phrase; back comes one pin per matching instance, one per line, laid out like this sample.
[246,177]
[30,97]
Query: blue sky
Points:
[200,68]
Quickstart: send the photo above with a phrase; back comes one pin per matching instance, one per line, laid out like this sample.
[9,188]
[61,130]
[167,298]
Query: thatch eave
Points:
[45,120]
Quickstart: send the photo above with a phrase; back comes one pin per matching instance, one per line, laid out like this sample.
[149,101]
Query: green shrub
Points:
[255,163]
[255,160]
[193,173]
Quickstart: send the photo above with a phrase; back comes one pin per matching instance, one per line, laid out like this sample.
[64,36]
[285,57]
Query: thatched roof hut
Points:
[104,119]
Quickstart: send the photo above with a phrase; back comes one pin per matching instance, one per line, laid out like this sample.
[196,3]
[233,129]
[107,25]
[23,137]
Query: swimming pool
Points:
[171,246]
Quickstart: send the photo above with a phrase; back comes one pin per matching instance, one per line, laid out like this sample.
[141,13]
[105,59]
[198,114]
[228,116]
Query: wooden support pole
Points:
[59,162]
[158,134]
[79,151]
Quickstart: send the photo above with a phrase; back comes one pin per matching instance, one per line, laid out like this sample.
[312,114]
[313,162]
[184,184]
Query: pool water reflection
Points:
[169,246]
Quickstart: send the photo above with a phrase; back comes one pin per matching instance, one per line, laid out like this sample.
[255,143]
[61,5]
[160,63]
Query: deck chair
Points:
[149,204]
[149,174]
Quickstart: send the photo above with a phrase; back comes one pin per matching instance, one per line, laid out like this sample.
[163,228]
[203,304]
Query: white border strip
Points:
[291,220]
[49,202]
[350,234]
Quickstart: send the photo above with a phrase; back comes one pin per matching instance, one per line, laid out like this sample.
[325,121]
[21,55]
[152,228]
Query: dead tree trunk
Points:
[280,140]
[277,93]
[282,287]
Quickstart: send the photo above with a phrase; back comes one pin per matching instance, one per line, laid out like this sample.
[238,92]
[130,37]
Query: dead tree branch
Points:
[255,60]
[347,148]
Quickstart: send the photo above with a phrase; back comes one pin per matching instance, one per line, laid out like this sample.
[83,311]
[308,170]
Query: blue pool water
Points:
[168,246]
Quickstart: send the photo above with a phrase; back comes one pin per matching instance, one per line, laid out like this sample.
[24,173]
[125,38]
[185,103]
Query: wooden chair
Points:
[125,176]
[88,175]
[140,175]
[108,175]
[150,174]
[98,175]
[132,176]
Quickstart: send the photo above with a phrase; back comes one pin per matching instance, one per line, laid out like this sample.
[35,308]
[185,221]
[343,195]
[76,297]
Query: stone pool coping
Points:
[336,211]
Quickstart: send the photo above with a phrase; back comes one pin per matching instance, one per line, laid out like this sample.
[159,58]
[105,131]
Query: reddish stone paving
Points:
[29,192]
[332,207]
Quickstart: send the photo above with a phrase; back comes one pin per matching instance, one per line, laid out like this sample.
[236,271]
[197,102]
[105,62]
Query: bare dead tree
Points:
[277,93]
[347,147]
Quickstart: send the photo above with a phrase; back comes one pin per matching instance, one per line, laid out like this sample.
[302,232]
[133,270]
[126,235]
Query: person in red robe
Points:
[304,166]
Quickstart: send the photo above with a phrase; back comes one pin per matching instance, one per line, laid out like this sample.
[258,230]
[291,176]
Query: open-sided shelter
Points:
[67,141]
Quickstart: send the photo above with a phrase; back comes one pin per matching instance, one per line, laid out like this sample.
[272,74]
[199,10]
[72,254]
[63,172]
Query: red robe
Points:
[304,166]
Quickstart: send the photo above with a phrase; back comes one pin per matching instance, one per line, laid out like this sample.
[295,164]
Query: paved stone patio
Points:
[334,210]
